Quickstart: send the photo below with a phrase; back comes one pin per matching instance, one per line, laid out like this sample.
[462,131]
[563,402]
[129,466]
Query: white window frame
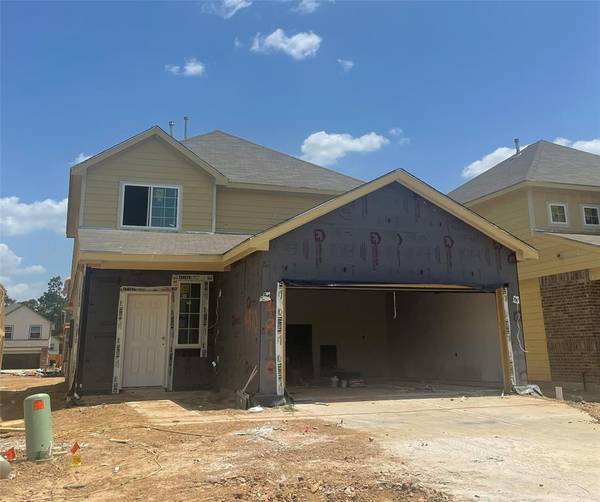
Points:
[590,206]
[35,326]
[566,208]
[149,227]
[12,332]
[204,282]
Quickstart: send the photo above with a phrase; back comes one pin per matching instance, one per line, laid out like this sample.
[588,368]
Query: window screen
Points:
[8,332]
[591,215]
[190,313]
[35,332]
[558,213]
[149,206]
[164,207]
[135,206]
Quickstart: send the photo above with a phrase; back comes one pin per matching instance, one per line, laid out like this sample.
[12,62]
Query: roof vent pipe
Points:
[185,126]
[517,148]
[171,126]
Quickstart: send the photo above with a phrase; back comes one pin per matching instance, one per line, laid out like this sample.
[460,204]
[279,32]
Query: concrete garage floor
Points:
[483,447]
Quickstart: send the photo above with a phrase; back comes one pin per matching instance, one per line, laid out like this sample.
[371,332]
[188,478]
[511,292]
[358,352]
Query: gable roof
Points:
[261,241]
[153,131]
[12,307]
[242,161]
[16,306]
[540,162]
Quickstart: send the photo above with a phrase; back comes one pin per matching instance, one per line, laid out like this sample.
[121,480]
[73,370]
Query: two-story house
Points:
[549,196]
[26,338]
[195,261]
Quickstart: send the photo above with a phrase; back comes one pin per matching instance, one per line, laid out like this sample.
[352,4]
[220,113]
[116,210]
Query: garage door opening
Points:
[374,337]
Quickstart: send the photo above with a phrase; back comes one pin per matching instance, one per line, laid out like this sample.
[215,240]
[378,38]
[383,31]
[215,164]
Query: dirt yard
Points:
[14,388]
[125,457]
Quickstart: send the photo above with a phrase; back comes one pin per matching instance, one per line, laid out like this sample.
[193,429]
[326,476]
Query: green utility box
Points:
[38,426]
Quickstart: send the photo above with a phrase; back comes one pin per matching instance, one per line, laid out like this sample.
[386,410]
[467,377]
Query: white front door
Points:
[146,330]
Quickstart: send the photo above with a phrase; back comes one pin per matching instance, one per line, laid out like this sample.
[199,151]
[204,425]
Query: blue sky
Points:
[366,87]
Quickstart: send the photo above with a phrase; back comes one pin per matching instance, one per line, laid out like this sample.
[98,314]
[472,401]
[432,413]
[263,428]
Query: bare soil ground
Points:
[282,460]
[15,388]
[592,409]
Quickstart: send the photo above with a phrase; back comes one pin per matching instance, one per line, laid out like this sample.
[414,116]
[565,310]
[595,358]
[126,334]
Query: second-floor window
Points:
[591,215]
[558,213]
[8,332]
[35,332]
[150,206]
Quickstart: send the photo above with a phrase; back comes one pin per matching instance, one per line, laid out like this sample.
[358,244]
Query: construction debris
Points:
[120,441]
[4,468]
[242,399]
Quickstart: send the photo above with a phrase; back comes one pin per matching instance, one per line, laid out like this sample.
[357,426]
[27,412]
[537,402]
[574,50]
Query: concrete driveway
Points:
[483,447]
[466,441]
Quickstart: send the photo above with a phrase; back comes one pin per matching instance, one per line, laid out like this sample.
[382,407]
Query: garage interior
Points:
[379,337]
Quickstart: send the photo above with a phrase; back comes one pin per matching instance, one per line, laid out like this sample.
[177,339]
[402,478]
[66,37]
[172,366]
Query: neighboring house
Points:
[549,196]
[2,307]
[27,336]
[195,261]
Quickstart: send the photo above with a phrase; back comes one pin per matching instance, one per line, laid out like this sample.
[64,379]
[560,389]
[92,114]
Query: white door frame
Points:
[121,332]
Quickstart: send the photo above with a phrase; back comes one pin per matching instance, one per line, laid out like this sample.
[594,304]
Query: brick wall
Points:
[571,304]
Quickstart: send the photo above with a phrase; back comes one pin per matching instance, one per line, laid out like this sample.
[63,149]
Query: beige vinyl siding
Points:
[575,200]
[509,211]
[250,211]
[538,364]
[152,161]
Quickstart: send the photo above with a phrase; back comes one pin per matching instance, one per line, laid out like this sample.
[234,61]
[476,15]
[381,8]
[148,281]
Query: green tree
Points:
[8,301]
[32,303]
[52,303]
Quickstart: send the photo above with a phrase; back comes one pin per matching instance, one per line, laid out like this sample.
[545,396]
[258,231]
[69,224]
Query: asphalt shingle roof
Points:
[12,307]
[100,240]
[539,162]
[242,161]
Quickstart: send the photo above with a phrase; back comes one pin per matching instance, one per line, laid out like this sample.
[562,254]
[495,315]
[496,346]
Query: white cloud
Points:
[225,8]
[346,64]
[487,161]
[237,42]
[307,6]
[80,158]
[18,218]
[590,146]
[323,148]
[191,68]
[299,46]
[502,153]
[401,138]
[11,267]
